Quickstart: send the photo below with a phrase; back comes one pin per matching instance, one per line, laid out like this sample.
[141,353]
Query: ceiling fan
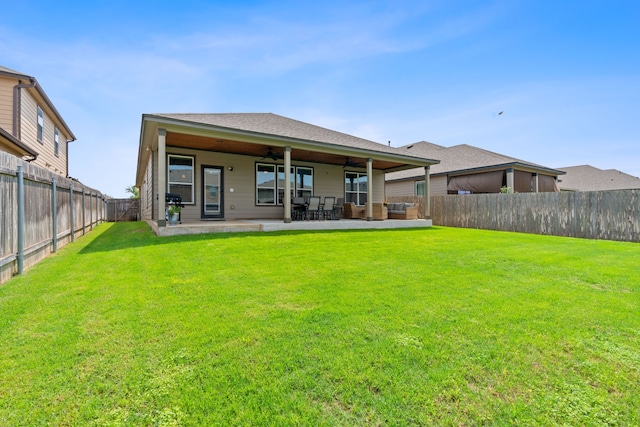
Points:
[271,155]
[349,164]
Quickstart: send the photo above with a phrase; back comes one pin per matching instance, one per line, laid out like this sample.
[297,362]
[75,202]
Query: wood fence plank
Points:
[611,215]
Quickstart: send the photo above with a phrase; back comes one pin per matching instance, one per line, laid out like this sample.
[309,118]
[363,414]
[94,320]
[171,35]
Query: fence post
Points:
[54,213]
[84,213]
[71,212]
[90,211]
[20,220]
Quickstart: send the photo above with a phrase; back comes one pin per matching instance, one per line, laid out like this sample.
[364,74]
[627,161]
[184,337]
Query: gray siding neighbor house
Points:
[589,178]
[465,169]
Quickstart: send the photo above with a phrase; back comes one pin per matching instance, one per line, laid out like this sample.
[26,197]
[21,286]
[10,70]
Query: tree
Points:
[135,192]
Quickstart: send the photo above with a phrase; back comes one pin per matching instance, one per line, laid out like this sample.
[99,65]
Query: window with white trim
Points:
[355,187]
[180,177]
[419,188]
[40,125]
[281,183]
[268,185]
[56,142]
[304,182]
[265,184]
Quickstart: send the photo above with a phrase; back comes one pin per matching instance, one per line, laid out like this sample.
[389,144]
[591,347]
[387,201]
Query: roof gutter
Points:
[15,141]
[17,107]
[520,165]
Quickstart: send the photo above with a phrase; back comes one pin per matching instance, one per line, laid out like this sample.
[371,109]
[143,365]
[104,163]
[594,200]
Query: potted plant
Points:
[174,212]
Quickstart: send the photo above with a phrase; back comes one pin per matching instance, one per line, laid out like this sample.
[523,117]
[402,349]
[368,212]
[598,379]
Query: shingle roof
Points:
[17,143]
[276,125]
[6,70]
[589,178]
[459,158]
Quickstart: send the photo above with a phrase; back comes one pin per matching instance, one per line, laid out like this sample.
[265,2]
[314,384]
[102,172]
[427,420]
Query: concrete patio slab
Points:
[268,225]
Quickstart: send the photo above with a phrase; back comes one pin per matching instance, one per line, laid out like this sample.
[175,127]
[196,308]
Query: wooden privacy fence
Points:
[609,215]
[40,212]
[123,210]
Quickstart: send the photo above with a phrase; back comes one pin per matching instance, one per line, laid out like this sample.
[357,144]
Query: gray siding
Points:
[240,188]
[146,192]
[407,187]
[438,185]
[400,188]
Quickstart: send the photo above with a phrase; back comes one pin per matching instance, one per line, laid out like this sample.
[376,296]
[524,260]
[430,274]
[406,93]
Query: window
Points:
[56,142]
[40,125]
[355,188]
[419,188]
[267,186]
[304,182]
[181,179]
[281,183]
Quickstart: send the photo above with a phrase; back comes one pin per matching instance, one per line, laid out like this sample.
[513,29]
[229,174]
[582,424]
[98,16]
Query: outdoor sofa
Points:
[402,211]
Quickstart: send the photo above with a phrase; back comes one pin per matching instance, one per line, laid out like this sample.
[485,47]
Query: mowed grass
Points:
[436,326]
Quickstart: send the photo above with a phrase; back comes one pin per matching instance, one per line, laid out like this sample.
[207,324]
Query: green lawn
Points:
[436,326]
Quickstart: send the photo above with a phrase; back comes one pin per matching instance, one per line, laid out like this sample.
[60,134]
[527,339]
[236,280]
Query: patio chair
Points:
[338,209]
[352,211]
[298,209]
[314,211]
[327,207]
[379,211]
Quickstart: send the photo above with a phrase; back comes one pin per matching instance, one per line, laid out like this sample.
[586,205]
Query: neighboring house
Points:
[234,166]
[589,178]
[30,125]
[465,169]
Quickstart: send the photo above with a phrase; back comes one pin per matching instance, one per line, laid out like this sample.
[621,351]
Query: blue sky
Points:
[566,74]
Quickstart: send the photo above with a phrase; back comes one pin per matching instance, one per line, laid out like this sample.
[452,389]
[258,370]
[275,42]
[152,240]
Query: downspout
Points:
[67,156]
[17,104]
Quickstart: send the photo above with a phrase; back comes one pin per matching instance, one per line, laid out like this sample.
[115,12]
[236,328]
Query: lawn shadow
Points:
[127,235]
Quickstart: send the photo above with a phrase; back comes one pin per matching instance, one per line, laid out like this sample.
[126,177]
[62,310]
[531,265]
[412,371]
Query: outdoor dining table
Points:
[300,209]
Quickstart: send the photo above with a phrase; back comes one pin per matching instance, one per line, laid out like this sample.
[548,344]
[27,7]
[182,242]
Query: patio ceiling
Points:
[233,146]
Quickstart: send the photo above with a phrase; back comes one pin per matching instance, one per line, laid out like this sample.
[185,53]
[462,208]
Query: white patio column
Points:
[162,176]
[510,180]
[427,193]
[287,184]
[369,212]
[535,183]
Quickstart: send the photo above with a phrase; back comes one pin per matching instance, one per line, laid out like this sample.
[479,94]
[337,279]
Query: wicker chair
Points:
[379,211]
[351,211]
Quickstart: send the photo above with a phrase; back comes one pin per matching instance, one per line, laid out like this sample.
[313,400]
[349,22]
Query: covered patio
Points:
[246,169]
